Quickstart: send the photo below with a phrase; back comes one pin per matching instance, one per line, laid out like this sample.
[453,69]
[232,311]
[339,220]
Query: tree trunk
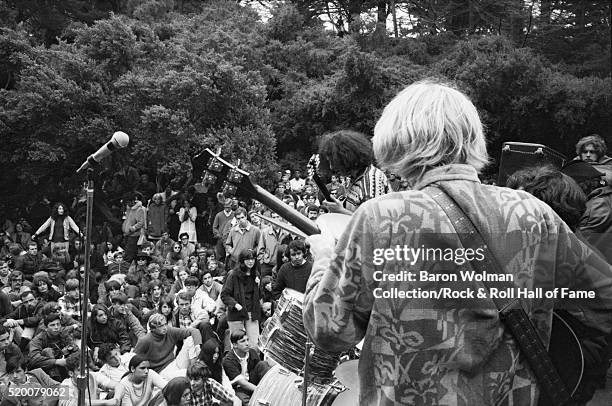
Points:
[392,5]
[381,20]
[545,12]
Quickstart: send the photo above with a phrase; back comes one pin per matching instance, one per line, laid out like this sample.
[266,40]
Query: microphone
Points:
[118,140]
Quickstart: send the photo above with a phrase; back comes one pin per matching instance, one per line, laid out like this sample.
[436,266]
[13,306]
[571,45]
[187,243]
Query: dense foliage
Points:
[179,76]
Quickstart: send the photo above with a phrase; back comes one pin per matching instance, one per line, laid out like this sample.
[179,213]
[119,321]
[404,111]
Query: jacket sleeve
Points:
[279,283]
[141,218]
[215,227]
[73,225]
[337,308]
[44,226]
[228,291]
[134,325]
[37,358]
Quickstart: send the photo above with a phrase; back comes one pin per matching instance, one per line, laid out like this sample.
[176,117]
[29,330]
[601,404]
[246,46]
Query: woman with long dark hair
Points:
[210,354]
[105,329]
[59,225]
[177,392]
[136,386]
[240,294]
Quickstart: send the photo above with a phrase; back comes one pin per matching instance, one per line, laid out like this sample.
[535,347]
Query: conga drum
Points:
[280,387]
[283,339]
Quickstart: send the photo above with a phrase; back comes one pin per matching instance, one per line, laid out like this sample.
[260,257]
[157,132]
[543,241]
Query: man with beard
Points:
[135,217]
[50,347]
[293,274]
[26,316]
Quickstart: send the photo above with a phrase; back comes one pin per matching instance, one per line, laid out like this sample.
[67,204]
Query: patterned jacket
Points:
[423,351]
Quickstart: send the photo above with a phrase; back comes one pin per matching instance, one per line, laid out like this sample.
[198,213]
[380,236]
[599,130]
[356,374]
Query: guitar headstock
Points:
[224,176]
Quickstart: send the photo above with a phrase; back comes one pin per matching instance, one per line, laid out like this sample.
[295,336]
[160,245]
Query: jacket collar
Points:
[447,173]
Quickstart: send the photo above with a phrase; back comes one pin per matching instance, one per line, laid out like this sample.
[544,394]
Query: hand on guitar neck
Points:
[330,203]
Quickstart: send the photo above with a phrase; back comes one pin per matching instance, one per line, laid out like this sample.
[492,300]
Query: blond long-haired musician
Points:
[430,351]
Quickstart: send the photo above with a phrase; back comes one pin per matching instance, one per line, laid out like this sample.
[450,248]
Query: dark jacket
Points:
[234,292]
[114,332]
[31,318]
[596,222]
[28,264]
[38,358]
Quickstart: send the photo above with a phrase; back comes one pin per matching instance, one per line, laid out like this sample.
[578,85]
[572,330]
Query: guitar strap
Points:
[511,312]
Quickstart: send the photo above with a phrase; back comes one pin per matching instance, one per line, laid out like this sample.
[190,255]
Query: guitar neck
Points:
[287,212]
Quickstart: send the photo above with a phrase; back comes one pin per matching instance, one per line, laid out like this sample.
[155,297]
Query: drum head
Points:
[349,397]
[347,373]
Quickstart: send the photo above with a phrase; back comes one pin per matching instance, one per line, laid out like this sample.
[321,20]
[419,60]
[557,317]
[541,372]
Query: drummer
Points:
[293,274]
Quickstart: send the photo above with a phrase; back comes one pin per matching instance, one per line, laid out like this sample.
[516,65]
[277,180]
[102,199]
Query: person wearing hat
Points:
[133,225]
[220,224]
[596,222]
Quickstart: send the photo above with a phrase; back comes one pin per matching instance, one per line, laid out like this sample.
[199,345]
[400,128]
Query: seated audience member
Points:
[201,304]
[243,366]
[15,288]
[9,352]
[104,329]
[176,393]
[150,302]
[20,376]
[136,388]
[205,390]
[210,286]
[43,288]
[5,272]
[159,344]
[49,349]
[118,265]
[115,365]
[128,315]
[26,316]
[211,356]
[96,383]
[70,303]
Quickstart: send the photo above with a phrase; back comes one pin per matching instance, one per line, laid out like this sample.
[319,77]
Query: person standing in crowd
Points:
[220,222]
[157,218]
[242,236]
[240,294]
[349,153]
[272,236]
[187,216]
[293,274]
[431,135]
[133,225]
[59,225]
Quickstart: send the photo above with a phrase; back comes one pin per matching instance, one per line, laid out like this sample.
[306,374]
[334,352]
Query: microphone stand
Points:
[82,379]
[308,355]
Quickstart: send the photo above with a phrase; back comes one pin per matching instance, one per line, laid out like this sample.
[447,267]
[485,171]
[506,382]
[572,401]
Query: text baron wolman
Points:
[450,352]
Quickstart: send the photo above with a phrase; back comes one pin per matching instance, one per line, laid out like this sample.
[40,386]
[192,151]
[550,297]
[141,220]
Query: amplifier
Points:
[521,155]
